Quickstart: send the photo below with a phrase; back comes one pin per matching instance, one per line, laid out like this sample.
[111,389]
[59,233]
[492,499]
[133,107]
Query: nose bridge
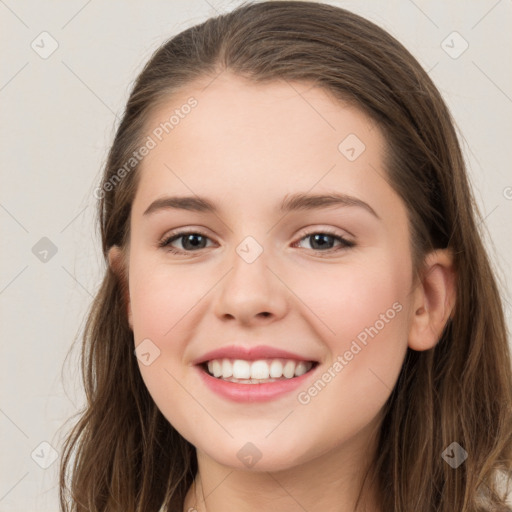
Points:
[250,290]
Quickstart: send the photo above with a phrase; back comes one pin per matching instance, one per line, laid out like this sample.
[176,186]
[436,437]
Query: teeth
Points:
[217,369]
[301,369]
[289,369]
[241,369]
[276,369]
[262,370]
[227,368]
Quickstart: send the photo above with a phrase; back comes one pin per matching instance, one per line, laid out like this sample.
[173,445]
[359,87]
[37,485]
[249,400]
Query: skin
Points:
[245,147]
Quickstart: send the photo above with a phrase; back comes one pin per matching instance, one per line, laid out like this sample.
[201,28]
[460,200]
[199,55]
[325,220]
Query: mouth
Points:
[248,374]
[260,371]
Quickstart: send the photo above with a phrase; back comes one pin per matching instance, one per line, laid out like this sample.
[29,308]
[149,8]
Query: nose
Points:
[251,293]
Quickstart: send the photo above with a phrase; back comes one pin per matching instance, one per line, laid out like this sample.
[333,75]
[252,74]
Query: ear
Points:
[117,262]
[434,300]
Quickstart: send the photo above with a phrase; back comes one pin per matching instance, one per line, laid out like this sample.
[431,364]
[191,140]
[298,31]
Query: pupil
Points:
[192,238]
[317,238]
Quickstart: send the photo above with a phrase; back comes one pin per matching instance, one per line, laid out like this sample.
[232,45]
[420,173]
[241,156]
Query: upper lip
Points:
[249,354]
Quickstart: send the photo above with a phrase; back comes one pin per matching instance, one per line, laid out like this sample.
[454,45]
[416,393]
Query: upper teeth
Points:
[260,369]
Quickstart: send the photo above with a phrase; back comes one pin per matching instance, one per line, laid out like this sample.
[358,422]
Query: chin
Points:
[256,457]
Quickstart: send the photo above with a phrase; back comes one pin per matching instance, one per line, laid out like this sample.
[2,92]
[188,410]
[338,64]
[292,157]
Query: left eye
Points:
[190,241]
[320,241]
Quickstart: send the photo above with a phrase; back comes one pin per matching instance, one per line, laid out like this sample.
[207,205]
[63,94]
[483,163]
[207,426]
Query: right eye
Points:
[191,241]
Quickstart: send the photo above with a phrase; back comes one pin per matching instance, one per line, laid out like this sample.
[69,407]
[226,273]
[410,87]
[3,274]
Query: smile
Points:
[248,389]
[261,371]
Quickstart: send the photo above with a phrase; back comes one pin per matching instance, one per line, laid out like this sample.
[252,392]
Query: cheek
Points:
[364,324]
[160,298]
[345,299]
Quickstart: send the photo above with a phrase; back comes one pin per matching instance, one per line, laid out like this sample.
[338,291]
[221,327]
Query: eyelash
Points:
[345,244]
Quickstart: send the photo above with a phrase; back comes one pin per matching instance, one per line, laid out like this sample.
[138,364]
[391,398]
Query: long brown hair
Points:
[123,455]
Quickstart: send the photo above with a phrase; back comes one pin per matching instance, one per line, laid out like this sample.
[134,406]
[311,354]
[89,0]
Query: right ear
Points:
[118,265]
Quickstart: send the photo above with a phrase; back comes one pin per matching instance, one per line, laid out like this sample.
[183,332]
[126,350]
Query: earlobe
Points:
[114,258]
[118,265]
[434,300]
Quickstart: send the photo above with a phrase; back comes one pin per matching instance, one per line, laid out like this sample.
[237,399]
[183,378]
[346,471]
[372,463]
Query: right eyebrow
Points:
[191,203]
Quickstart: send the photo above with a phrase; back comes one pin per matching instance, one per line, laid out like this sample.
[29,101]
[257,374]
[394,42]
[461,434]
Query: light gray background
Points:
[58,119]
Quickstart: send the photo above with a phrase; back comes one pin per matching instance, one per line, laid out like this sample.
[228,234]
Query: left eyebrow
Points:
[295,202]
[314,201]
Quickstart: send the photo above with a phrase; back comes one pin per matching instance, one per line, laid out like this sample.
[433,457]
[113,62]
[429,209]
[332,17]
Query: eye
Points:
[190,241]
[322,241]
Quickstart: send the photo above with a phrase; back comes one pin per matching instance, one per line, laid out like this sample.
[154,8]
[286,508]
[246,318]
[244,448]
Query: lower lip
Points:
[252,392]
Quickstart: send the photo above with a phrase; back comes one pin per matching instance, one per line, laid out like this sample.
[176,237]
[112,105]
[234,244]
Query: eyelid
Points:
[316,228]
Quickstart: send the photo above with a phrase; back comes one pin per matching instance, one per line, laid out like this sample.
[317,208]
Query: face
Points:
[270,281]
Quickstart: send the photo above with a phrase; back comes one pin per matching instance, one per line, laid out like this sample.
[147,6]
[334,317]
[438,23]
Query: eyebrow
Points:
[294,202]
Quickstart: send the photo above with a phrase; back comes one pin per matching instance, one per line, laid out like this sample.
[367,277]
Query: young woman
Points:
[297,312]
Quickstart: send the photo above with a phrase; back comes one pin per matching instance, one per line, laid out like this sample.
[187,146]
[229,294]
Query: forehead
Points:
[246,142]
